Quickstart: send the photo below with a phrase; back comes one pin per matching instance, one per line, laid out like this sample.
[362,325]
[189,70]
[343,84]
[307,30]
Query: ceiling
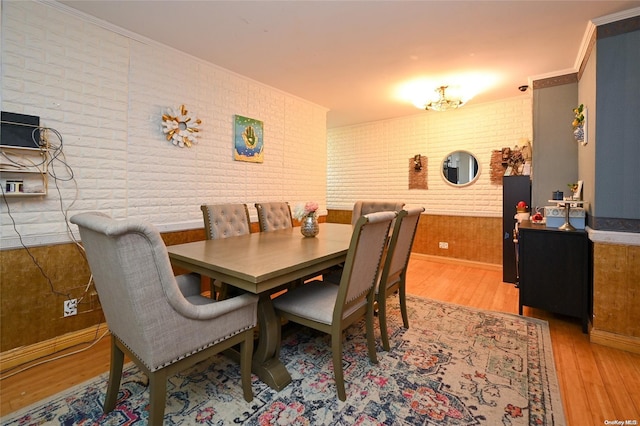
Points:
[352,56]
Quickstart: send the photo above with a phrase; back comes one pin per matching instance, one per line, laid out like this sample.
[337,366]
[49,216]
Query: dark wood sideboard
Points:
[555,271]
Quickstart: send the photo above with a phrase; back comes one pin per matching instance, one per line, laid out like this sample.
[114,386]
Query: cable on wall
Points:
[55,150]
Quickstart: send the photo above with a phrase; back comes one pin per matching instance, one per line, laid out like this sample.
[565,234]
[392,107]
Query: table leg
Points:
[266,362]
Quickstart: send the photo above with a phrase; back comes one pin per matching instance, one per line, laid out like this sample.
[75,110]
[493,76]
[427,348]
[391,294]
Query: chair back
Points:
[225,220]
[274,216]
[133,276]
[362,265]
[399,249]
[362,207]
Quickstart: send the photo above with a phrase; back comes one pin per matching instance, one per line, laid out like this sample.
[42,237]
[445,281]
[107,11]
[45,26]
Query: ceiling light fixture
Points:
[443,104]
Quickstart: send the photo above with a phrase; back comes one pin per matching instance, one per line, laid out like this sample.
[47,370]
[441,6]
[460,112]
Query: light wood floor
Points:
[597,383]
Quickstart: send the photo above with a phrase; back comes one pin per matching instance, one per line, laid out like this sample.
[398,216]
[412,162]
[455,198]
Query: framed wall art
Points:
[249,140]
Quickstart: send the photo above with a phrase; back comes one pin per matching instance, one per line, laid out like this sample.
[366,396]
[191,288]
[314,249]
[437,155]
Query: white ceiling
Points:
[350,56]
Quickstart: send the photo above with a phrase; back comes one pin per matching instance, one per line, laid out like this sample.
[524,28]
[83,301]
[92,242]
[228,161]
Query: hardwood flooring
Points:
[598,384]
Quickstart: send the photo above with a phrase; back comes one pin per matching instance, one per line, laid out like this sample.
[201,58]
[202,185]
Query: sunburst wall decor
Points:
[180,127]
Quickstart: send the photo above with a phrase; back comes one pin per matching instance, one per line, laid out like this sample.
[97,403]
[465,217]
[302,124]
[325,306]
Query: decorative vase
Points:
[309,226]
[578,133]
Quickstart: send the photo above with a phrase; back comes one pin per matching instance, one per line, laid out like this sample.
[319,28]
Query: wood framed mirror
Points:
[460,168]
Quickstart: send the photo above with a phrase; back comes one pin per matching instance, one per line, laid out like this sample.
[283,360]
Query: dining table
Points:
[263,263]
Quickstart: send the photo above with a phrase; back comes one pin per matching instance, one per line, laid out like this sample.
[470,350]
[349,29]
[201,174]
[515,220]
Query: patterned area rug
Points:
[454,366]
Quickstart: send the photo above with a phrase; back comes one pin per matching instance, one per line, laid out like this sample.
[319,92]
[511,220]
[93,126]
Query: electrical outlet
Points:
[443,245]
[70,307]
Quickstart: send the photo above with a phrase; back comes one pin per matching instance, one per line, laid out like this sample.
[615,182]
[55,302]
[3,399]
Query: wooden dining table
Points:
[263,263]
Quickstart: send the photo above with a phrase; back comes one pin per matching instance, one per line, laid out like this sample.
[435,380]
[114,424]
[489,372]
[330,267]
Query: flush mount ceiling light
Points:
[442,103]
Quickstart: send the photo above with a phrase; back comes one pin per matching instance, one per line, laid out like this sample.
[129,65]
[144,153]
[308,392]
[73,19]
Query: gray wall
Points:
[587,153]
[617,157]
[555,151]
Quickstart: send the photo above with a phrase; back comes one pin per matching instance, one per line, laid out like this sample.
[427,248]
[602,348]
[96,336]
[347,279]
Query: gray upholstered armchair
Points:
[361,208]
[160,321]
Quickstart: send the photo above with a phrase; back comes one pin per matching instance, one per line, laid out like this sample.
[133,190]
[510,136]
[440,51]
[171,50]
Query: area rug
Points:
[454,366]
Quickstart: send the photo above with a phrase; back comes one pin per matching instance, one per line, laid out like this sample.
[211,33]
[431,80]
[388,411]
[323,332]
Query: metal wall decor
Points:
[180,127]
[249,140]
[580,124]
[418,172]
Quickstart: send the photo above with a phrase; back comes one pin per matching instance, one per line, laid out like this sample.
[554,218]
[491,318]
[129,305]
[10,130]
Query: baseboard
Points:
[613,340]
[453,260]
[25,354]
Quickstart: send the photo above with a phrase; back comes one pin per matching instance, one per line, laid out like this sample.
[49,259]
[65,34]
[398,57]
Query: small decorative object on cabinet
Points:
[554,271]
[23,171]
[565,207]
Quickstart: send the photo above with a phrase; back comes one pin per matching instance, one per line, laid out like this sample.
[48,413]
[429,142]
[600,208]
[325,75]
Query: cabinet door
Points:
[553,271]
[514,189]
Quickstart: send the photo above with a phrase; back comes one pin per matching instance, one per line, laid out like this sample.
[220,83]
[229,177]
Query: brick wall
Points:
[369,161]
[105,91]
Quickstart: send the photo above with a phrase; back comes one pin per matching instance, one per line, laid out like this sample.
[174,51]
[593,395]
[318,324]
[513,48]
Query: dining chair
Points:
[159,321]
[224,221]
[332,308]
[274,216]
[394,268]
[363,207]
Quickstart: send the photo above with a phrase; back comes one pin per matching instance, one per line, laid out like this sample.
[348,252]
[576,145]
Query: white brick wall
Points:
[105,91]
[370,161]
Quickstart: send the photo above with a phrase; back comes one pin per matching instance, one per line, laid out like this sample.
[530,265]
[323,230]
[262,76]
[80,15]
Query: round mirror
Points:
[460,168]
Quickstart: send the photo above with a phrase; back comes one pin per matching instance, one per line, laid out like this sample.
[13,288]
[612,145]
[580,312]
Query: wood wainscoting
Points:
[616,296]
[475,239]
[32,296]
[32,300]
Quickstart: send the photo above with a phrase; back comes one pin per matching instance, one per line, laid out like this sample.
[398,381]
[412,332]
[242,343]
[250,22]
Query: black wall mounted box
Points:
[19,130]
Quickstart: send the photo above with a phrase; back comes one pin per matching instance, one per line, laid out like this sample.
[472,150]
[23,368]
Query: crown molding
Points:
[552,80]
[619,16]
[150,42]
[586,46]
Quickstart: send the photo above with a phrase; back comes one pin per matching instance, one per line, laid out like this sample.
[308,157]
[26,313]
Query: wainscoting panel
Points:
[477,239]
[32,298]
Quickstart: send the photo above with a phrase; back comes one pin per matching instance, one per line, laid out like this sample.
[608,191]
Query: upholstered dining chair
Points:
[159,321]
[394,269]
[274,216]
[224,221]
[363,207]
[332,308]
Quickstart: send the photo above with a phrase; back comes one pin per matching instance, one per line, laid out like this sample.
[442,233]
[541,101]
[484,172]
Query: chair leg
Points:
[157,397]
[246,353]
[371,341]
[224,291]
[403,304]
[115,375]
[382,318]
[336,348]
